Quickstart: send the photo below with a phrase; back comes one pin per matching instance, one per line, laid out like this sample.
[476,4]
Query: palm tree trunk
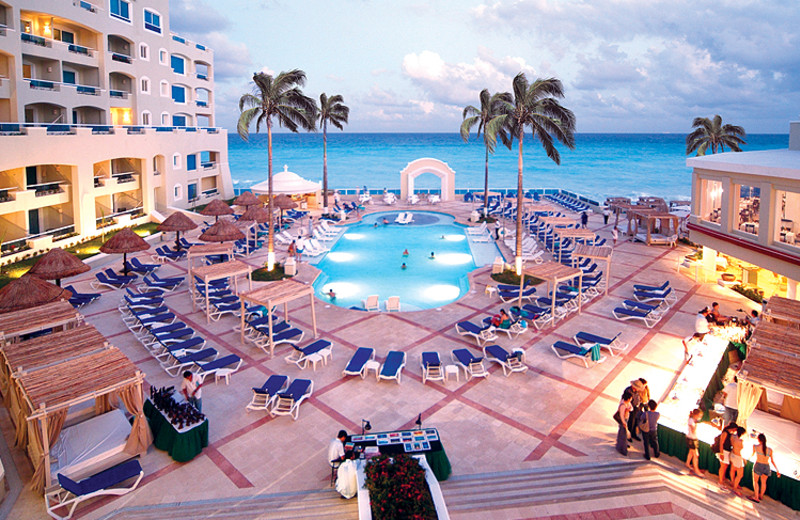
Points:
[325,164]
[486,185]
[518,253]
[271,233]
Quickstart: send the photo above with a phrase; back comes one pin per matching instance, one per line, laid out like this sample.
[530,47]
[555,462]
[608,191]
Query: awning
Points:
[288,183]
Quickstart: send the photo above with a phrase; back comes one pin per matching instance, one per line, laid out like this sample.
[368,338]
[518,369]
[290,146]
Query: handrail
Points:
[32,38]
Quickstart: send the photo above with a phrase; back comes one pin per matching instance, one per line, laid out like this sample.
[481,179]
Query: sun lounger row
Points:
[164,254]
[79,299]
[256,331]
[279,397]
[587,348]
[112,280]
[568,202]
[391,368]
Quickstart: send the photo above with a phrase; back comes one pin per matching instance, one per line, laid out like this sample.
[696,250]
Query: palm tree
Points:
[331,109]
[714,134]
[279,98]
[536,106]
[490,119]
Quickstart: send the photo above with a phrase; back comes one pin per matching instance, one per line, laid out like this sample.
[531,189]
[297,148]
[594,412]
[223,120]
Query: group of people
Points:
[636,414]
[708,317]
[730,446]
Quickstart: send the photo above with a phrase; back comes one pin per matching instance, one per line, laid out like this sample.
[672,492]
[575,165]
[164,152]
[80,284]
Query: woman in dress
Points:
[761,469]
[693,458]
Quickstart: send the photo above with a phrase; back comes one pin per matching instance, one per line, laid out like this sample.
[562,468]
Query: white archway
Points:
[428,165]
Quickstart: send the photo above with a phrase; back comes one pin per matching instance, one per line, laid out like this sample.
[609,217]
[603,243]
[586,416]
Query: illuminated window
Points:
[711,200]
[787,217]
[121,116]
[747,208]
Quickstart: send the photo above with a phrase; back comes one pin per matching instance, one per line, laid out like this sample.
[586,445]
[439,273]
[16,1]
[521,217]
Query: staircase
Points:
[305,505]
[592,487]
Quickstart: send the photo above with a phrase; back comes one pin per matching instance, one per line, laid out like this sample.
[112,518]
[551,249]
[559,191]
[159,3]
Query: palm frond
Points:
[243,125]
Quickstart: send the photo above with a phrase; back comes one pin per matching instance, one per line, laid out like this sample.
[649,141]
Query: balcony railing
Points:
[50,43]
[179,39]
[57,128]
[207,165]
[46,188]
[201,103]
[122,58]
[202,76]
[89,91]
[86,5]
[41,84]
[36,40]
[119,94]
[5,196]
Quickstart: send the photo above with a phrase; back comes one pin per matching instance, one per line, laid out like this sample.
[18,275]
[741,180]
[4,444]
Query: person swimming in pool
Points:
[405,253]
[432,257]
[404,266]
[385,221]
[331,294]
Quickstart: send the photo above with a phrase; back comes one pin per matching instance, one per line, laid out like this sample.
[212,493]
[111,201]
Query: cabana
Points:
[209,273]
[47,393]
[274,294]
[289,183]
[783,310]
[204,250]
[652,220]
[57,315]
[558,221]
[595,253]
[555,273]
[585,234]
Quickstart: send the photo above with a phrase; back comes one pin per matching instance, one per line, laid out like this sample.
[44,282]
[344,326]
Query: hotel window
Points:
[177,192]
[152,21]
[747,205]
[787,217]
[164,88]
[164,119]
[144,51]
[178,65]
[121,9]
[178,120]
[162,56]
[179,94]
[146,118]
[711,200]
[191,162]
[176,161]
[145,85]
[68,76]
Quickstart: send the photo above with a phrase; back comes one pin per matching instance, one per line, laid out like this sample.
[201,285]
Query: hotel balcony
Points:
[34,197]
[117,183]
[54,49]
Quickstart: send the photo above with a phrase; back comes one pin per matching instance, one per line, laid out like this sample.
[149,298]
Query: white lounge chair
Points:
[481,334]
[288,402]
[478,230]
[371,303]
[413,198]
[393,304]
[401,218]
[472,365]
[613,345]
[71,493]
[264,396]
[432,369]
[510,362]
[564,350]
[392,367]
[434,199]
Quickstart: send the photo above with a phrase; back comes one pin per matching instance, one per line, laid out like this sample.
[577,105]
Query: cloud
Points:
[196,17]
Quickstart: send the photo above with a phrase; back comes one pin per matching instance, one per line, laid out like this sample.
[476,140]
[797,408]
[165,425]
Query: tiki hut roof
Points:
[216,208]
[177,222]
[256,213]
[222,231]
[29,291]
[247,199]
[283,201]
[126,241]
[57,264]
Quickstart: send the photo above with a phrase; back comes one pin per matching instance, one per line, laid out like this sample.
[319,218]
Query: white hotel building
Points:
[104,114]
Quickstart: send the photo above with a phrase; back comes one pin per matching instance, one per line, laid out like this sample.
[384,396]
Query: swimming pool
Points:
[367,259]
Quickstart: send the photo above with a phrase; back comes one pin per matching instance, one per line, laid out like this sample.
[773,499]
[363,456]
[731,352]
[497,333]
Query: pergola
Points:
[558,221]
[56,315]
[204,250]
[555,273]
[48,392]
[248,227]
[274,294]
[596,253]
[585,234]
[650,218]
[209,273]
[783,310]
[773,362]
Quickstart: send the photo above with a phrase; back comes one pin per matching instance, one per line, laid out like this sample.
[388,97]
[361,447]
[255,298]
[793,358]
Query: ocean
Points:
[601,165]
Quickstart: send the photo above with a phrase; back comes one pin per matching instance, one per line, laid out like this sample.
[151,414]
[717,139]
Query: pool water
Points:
[367,260]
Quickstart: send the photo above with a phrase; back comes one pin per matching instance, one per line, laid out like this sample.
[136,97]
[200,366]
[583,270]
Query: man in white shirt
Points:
[336,448]
[700,329]
[192,390]
[731,401]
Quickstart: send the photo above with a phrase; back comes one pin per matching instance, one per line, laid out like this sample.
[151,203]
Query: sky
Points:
[412,66]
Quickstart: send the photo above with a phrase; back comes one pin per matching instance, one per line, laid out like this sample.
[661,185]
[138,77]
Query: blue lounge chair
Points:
[135,265]
[652,288]
[103,280]
[73,493]
[471,364]
[510,362]
[80,299]
[358,363]
[220,367]
[648,318]
[289,401]
[613,345]
[393,366]
[300,355]
[667,297]
[264,395]
[644,307]
[481,334]
[565,350]
[510,296]
[432,369]
[175,364]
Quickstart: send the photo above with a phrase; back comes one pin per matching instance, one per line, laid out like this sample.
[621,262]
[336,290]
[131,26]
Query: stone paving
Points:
[558,412]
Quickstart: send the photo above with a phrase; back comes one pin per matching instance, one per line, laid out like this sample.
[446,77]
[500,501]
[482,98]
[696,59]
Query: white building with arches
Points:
[446,175]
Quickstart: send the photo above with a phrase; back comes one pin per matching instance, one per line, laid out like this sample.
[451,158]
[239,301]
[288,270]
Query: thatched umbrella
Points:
[255,213]
[177,222]
[222,231]
[30,291]
[57,264]
[216,208]
[126,241]
[284,202]
[246,199]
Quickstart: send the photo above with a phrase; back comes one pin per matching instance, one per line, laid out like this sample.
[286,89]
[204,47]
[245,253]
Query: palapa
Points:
[216,208]
[177,222]
[255,213]
[57,264]
[29,291]
[247,199]
[284,202]
[126,241]
[222,231]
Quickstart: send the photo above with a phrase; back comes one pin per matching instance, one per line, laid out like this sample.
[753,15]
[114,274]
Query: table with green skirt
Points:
[784,489]
[183,445]
[390,443]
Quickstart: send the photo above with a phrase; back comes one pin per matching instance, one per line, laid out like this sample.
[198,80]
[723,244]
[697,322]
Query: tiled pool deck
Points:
[556,413]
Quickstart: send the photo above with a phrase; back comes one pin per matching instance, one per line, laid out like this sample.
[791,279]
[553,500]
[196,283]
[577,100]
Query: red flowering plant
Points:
[397,489]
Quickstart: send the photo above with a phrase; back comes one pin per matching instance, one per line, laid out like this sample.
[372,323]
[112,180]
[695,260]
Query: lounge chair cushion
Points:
[102,480]
[359,359]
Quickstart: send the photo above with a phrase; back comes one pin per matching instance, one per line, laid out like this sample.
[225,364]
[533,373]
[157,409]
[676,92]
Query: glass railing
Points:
[201,103]
[121,94]
[43,84]
[87,6]
[46,188]
[202,76]
[32,38]
[122,58]
[179,39]
[151,27]
[91,91]
[58,128]
[79,49]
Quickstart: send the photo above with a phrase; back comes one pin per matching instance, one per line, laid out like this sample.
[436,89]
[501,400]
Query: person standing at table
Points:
[724,455]
[701,328]
[693,457]
[731,401]
[636,389]
[336,447]
[192,390]
[649,428]
[737,461]
[761,469]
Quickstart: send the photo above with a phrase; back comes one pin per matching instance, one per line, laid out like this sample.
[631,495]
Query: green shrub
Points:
[262,275]
[753,294]
[510,277]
